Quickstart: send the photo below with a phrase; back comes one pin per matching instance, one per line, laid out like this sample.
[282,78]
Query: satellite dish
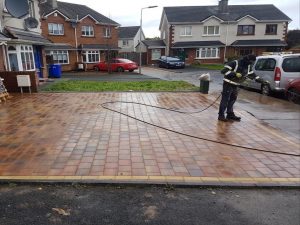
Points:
[17,8]
[31,22]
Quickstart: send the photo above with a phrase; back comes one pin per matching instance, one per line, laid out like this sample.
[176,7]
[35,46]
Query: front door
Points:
[37,51]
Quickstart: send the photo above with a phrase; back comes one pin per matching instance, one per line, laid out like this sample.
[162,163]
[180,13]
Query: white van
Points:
[278,70]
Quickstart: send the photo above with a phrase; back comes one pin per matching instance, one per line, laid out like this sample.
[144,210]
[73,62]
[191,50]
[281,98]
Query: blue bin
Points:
[55,70]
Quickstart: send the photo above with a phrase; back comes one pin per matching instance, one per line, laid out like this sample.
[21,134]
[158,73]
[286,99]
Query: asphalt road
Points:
[116,205]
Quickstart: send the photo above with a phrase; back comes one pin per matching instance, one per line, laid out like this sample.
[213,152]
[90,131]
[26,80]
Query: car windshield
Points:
[125,61]
[172,59]
[291,64]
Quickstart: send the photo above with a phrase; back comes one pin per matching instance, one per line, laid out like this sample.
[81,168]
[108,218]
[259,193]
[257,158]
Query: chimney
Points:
[223,6]
[53,3]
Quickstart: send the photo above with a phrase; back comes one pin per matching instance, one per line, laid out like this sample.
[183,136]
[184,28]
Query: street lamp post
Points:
[140,39]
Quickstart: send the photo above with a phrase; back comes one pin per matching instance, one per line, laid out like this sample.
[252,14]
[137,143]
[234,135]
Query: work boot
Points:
[222,118]
[233,117]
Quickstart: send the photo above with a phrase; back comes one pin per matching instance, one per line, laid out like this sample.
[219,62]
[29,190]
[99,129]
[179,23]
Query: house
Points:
[81,35]
[129,38]
[21,43]
[213,34]
[155,49]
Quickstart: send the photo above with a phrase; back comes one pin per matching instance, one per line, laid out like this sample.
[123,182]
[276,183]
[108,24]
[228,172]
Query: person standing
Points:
[235,72]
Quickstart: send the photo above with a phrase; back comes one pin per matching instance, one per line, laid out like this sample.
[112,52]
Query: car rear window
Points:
[171,59]
[291,64]
[265,64]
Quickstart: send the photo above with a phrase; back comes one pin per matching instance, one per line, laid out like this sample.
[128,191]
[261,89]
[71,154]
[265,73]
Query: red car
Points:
[292,90]
[117,64]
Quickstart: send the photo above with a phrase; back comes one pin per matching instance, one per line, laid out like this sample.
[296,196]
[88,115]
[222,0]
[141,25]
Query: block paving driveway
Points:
[70,136]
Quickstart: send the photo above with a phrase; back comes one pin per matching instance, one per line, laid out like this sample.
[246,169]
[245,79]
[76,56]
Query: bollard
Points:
[204,83]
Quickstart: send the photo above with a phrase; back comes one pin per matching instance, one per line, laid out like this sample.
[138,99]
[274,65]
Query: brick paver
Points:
[60,136]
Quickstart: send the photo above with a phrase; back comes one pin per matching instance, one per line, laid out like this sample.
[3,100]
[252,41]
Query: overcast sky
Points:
[127,12]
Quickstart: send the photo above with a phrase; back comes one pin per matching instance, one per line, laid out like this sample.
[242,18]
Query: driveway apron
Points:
[71,137]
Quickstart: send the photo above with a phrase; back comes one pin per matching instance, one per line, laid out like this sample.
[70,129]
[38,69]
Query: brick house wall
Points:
[69,37]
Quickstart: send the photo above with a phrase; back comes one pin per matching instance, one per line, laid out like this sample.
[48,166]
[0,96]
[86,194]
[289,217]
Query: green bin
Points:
[204,86]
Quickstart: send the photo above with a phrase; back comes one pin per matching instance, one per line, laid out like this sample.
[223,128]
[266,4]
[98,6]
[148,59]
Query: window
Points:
[186,31]
[125,42]
[164,35]
[246,30]
[27,57]
[56,29]
[90,56]
[271,29]
[245,52]
[87,31]
[60,57]
[155,54]
[203,53]
[211,30]
[265,64]
[106,32]
[291,64]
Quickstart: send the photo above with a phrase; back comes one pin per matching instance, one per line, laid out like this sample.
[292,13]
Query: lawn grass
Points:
[100,86]
[210,66]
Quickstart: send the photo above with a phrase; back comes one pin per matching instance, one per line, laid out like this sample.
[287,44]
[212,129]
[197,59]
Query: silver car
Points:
[278,70]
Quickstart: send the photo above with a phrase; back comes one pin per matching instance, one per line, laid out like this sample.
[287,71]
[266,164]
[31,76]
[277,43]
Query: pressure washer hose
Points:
[188,135]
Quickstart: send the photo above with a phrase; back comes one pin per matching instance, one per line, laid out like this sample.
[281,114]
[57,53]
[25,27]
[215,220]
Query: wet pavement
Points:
[71,137]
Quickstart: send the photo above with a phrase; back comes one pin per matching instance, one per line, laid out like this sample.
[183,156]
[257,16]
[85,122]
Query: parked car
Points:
[278,70]
[170,62]
[117,64]
[292,90]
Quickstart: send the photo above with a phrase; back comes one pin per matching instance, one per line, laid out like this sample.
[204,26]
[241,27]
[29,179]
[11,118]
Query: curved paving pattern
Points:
[71,137]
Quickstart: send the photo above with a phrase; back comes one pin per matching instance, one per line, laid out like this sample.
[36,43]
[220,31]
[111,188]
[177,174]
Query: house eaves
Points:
[21,36]
[197,44]
[55,11]
[212,17]
[90,17]
[244,17]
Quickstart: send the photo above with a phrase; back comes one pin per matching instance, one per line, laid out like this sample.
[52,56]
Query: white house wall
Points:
[126,48]
[198,29]
[19,23]
[165,28]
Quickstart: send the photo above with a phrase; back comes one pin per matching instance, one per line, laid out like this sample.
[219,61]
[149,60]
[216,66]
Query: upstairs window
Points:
[246,30]
[186,31]
[56,29]
[87,31]
[271,29]
[125,42]
[106,32]
[211,30]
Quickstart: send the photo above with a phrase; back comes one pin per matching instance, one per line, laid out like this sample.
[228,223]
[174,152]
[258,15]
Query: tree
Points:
[293,38]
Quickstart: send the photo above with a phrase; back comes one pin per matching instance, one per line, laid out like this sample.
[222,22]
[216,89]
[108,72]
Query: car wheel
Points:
[96,68]
[265,89]
[120,69]
[130,70]
[293,95]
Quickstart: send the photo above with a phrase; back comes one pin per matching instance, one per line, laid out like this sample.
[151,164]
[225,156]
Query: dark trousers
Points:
[229,96]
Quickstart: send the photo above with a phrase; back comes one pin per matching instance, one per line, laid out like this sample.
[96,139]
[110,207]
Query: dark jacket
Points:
[242,66]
